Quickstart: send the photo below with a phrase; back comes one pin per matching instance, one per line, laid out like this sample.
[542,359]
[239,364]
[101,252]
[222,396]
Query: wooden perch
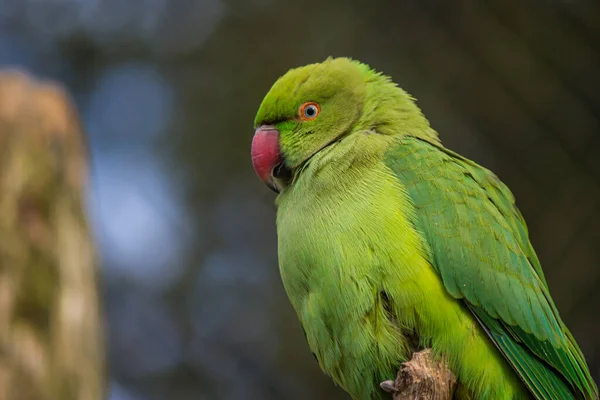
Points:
[50,329]
[422,378]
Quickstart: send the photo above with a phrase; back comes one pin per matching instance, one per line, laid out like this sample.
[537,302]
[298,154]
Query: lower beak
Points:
[272,185]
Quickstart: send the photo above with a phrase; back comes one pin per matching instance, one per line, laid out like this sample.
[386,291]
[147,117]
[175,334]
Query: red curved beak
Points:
[266,154]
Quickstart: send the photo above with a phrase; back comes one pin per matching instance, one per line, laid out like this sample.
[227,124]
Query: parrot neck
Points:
[351,156]
[389,110]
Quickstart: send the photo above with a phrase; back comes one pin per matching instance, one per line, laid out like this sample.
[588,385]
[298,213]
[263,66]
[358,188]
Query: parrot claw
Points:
[388,386]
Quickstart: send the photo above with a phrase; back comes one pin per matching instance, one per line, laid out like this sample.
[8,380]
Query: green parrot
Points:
[390,243]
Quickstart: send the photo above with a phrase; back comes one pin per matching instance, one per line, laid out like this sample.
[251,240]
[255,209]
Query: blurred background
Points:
[167,91]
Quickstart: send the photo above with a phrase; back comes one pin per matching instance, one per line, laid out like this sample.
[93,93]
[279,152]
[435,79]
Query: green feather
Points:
[480,247]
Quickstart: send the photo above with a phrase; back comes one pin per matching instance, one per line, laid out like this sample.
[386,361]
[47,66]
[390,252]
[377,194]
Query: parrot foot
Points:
[422,377]
[388,386]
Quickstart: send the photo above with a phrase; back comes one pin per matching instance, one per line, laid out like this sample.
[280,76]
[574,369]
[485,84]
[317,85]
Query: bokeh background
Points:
[167,91]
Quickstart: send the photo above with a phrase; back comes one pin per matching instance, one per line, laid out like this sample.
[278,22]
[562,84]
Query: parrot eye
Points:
[309,111]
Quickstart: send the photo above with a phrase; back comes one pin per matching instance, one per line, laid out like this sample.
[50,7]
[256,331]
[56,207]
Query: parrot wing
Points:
[478,243]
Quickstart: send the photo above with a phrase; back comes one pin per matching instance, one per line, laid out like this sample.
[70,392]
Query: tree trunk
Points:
[51,338]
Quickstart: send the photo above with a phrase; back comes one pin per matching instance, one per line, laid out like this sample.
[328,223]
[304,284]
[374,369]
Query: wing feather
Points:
[479,244]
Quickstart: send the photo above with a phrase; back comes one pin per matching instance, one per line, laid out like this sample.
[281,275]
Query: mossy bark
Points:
[50,321]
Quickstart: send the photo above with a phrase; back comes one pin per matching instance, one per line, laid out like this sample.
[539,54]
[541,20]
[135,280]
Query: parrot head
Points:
[306,109]
[311,107]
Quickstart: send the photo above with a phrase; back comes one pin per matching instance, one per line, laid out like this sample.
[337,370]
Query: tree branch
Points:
[50,329]
[422,378]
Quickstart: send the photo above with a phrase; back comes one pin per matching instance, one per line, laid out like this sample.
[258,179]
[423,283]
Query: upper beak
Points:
[266,154]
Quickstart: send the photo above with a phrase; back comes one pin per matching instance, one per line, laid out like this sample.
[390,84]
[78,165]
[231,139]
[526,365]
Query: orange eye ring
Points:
[309,111]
